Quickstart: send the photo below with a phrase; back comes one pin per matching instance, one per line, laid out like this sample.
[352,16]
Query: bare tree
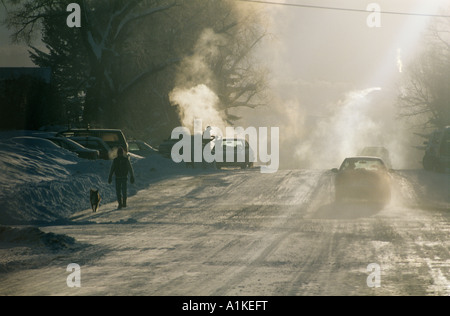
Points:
[426,93]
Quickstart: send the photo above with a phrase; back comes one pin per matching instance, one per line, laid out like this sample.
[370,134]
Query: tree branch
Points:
[148,72]
[141,15]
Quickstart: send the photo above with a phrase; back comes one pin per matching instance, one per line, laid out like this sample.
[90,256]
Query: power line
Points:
[344,9]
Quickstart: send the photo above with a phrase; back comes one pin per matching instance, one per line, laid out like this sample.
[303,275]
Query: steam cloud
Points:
[344,133]
[193,94]
[198,102]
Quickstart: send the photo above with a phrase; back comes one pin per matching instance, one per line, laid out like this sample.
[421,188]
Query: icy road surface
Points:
[245,233]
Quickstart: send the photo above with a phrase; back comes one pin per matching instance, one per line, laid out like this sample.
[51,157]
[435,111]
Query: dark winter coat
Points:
[121,166]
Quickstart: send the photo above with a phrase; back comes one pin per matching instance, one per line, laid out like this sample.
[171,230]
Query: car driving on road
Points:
[381,152]
[363,179]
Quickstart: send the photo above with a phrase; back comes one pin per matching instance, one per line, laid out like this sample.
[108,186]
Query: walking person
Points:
[121,166]
[208,139]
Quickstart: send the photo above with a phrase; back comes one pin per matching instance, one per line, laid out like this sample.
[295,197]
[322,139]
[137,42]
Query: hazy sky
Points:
[339,46]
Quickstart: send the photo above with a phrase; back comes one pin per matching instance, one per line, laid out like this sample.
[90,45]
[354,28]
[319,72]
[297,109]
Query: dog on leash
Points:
[95,200]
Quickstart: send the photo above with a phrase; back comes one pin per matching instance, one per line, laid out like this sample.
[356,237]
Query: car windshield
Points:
[362,164]
[133,147]
[109,137]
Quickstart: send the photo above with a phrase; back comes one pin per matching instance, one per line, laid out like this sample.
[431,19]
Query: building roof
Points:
[8,73]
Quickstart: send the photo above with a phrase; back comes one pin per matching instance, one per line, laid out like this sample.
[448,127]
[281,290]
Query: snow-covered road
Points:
[246,233]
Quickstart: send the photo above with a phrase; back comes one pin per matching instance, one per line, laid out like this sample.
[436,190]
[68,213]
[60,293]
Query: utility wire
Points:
[344,9]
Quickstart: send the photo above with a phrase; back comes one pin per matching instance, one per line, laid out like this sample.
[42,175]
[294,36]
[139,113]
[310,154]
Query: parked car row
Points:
[95,144]
[103,143]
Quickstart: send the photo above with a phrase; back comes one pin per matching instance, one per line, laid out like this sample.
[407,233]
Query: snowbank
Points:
[34,236]
[431,189]
[42,183]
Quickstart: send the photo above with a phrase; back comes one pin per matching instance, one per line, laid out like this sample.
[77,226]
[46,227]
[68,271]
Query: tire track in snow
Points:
[273,239]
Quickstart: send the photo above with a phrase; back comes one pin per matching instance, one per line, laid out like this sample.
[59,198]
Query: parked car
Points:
[106,153]
[114,138]
[81,151]
[240,150]
[381,152]
[363,179]
[38,142]
[165,148]
[437,153]
[141,148]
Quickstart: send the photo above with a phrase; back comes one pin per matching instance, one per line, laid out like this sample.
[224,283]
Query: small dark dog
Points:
[95,200]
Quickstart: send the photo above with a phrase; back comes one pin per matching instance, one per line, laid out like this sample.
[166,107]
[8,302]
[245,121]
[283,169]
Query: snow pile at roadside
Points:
[35,236]
[428,189]
[42,183]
